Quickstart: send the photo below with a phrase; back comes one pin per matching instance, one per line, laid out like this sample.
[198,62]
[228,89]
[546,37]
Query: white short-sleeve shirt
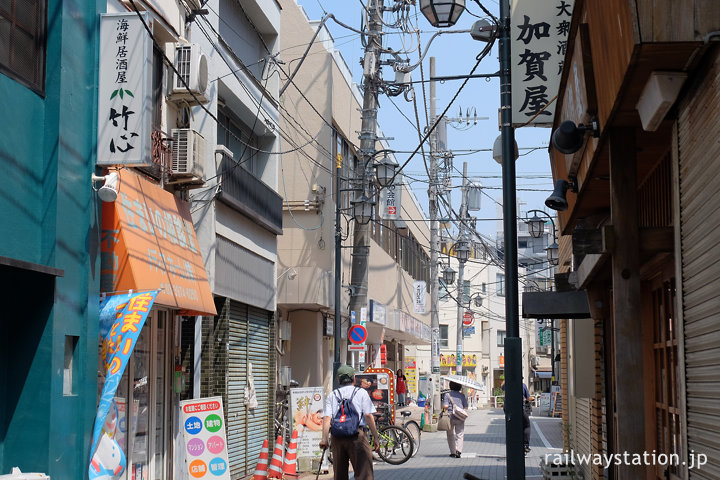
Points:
[361,401]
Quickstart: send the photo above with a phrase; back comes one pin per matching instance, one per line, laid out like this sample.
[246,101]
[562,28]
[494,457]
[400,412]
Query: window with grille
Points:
[22,42]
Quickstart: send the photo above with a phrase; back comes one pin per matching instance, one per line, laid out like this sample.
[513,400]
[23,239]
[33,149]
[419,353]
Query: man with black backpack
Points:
[347,410]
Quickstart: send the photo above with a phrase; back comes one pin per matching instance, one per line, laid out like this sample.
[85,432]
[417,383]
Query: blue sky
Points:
[455,54]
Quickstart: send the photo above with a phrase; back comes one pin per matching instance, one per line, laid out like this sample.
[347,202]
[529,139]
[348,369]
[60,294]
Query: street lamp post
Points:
[536,226]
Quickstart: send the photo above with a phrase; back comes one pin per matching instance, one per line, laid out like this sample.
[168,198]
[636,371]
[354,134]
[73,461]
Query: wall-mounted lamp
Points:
[558,200]
[109,190]
[362,209]
[442,13]
[552,253]
[568,137]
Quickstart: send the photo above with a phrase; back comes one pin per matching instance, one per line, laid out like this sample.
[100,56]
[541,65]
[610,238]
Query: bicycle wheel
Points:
[396,445]
[414,430]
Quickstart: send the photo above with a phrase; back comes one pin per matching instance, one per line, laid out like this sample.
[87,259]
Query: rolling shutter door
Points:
[699,156]
[250,341]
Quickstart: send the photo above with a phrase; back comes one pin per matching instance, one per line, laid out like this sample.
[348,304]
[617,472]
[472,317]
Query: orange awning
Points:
[149,242]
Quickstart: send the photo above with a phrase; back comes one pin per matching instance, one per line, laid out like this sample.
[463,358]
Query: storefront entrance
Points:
[142,413]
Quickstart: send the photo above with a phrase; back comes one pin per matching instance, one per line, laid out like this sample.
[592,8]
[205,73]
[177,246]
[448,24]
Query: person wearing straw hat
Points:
[354,449]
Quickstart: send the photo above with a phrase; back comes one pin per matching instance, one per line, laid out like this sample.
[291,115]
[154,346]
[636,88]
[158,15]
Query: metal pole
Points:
[434,252]
[368,137]
[461,272]
[552,350]
[513,344]
[337,325]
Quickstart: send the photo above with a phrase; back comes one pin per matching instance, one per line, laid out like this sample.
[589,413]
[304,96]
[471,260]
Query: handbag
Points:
[458,412]
[444,422]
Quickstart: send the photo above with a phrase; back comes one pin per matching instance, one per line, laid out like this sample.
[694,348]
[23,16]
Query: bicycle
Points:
[396,444]
[412,427]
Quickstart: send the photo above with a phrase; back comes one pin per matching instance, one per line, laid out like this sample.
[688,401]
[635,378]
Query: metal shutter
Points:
[251,336]
[699,155]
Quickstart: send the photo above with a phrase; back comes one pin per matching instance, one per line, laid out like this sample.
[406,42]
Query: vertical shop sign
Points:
[420,296]
[390,198]
[538,36]
[205,441]
[124,101]
[306,410]
[121,319]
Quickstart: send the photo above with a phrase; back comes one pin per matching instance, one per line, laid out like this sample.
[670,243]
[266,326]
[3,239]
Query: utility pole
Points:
[368,137]
[434,250]
[461,271]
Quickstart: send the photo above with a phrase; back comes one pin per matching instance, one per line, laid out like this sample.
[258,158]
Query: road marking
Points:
[540,434]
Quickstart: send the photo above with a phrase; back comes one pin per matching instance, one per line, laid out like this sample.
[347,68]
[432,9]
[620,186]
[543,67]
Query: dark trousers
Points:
[354,450]
[526,429]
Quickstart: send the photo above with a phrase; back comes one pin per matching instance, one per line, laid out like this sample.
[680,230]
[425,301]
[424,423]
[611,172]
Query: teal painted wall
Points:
[49,215]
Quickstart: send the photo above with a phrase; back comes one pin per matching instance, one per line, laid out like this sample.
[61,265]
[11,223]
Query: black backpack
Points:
[346,421]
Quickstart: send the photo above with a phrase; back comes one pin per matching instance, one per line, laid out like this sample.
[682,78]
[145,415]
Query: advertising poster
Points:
[411,376]
[205,441]
[306,409]
[377,386]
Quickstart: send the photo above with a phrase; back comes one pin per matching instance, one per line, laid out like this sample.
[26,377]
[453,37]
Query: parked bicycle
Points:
[384,417]
[413,429]
[396,444]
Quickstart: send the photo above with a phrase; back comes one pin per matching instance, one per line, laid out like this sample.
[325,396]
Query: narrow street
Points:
[483,452]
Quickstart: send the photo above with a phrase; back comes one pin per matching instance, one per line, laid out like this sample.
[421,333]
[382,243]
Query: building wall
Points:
[49,216]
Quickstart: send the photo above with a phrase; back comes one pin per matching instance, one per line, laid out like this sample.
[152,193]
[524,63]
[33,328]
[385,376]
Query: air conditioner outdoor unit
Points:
[188,153]
[192,66]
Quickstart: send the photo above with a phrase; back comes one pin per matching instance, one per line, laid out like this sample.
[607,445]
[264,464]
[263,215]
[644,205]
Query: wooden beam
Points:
[626,305]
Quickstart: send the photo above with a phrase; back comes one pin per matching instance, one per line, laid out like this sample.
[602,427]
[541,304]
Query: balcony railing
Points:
[247,194]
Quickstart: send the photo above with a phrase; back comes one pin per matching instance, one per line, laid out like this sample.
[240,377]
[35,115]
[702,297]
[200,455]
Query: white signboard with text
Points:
[420,296]
[124,91]
[538,34]
[206,454]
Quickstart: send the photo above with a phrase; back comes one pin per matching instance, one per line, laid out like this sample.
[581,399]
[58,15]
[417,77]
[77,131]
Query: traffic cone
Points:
[276,462]
[261,470]
[290,464]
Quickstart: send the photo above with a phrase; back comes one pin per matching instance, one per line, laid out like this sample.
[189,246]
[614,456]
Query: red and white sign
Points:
[468,319]
[357,334]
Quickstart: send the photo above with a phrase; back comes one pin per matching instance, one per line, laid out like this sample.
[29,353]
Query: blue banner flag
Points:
[121,319]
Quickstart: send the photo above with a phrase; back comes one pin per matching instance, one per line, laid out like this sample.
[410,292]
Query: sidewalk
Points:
[483,453]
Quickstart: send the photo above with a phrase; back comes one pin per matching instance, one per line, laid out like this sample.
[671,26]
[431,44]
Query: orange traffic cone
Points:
[261,470]
[276,462]
[290,464]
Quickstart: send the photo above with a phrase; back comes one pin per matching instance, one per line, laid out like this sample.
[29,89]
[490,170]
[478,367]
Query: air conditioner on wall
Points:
[192,67]
[188,153]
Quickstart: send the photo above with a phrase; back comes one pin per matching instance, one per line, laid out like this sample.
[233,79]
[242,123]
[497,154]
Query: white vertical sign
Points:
[390,201]
[420,296]
[124,91]
[306,411]
[538,34]
[205,441]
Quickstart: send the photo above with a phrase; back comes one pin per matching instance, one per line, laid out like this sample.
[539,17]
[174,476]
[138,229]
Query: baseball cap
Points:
[345,371]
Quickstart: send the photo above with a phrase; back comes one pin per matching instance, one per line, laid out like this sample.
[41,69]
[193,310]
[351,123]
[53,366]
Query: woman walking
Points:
[454,399]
